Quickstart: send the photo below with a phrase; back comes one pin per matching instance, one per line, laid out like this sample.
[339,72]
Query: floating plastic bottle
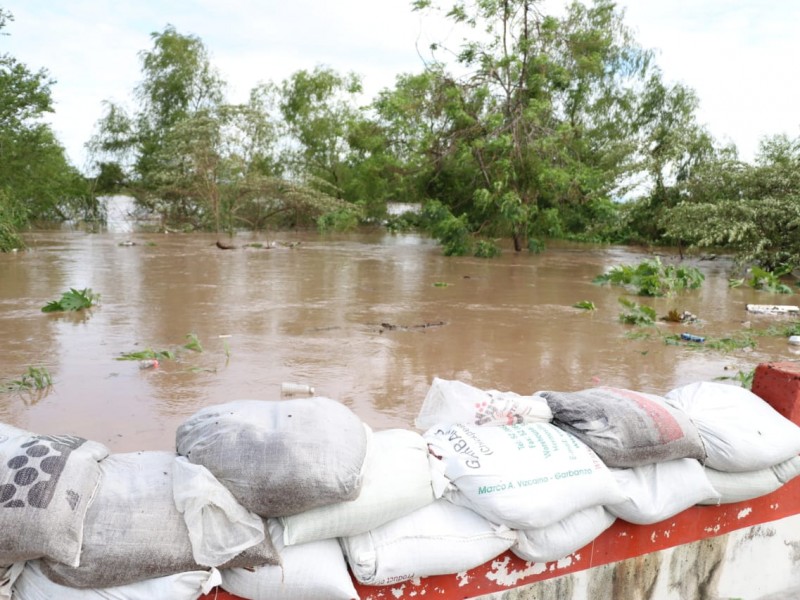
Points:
[296,389]
[690,337]
[148,364]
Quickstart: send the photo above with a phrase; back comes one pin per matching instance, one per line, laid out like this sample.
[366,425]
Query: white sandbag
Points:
[561,539]
[312,571]
[34,585]
[133,530]
[219,527]
[741,431]
[301,453]
[8,575]
[626,428]
[439,539]
[736,487]
[658,491]
[46,485]
[522,476]
[449,402]
[397,480]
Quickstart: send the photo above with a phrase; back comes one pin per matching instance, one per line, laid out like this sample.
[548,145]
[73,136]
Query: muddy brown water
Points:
[367,319]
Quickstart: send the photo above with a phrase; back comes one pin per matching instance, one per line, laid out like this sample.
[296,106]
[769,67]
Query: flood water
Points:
[367,319]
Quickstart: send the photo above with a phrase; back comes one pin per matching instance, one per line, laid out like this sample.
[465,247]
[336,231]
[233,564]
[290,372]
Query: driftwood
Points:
[422,326]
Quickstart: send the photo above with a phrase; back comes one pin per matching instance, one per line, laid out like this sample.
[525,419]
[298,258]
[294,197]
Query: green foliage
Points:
[486,249]
[585,305]
[452,232]
[147,354]
[343,219]
[193,343]
[35,378]
[636,314]
[767,281]
[73,300]
[652,278]
[745,379]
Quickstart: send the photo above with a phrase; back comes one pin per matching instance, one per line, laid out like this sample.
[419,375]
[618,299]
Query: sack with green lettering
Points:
[522,476]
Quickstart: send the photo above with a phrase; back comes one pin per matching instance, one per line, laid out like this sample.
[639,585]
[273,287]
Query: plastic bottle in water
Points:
[296,389]
[690,337]
[148,364]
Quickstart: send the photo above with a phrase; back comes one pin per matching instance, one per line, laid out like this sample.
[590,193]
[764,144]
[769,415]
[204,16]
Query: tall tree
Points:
[543,115]
[36,179]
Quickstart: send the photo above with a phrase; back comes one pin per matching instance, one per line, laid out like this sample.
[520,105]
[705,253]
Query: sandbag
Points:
[133,530]
[522,476]
[438,539]
[740,431]
[398,479]
[626,428]
[736,487]
[46,485]
[34,585]
[8,575]
[311,571]
[219,527]
[301,453]
[564,537]
[658,491]
[449,402]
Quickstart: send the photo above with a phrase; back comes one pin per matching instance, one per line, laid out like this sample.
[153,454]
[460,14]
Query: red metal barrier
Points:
[777,383]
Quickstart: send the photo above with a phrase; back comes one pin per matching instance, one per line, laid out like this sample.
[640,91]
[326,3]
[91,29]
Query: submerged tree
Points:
[544,116]
[36,180]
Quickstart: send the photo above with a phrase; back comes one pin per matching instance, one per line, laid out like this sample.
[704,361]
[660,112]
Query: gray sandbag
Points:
[134,532]
[46,485]
[626,428]
[279,458]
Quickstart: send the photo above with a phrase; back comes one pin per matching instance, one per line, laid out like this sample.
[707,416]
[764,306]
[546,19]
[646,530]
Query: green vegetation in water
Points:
[652,278]
[768,281]
[785,330]
[441,284]
[147,354]
[73,300]
[723,344]
[745,378]
[193,343]
[636,314]
[585,305]
[35,378]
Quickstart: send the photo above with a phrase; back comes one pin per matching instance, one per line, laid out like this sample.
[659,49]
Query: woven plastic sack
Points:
[626,428]
[522,476]
[34,585]
[741,432]
[301,453]
[134,531]
[46,485]
[398,479]
[561,539]
[312,571]
[736,487]
[659,491]
[219,527]
[449,402]
[8,575]
[439,539]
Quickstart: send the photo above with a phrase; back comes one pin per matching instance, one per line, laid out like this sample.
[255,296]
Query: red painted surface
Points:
[777,383]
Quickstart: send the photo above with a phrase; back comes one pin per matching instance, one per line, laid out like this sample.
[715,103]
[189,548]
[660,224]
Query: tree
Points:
[543,117]
[36,180]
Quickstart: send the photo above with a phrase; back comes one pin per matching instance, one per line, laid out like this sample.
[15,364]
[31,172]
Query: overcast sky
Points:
[740,56]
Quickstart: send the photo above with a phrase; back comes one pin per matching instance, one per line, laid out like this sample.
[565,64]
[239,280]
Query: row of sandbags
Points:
[278,499]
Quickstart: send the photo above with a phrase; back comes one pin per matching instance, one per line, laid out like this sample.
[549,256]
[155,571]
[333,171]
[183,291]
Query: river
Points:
[367,319]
